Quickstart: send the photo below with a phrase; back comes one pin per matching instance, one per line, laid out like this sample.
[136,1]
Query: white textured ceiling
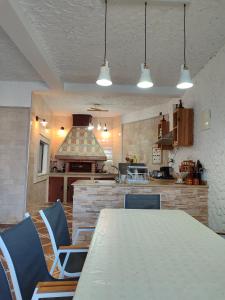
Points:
[62,103]
[71,34]
[13,65]
[72,31]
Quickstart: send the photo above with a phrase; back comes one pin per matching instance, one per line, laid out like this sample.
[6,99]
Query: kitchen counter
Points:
[152,183]
[90,196]
[71,177]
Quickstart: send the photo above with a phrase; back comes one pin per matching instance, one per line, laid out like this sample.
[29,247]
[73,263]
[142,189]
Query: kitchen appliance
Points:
[137,173]
[163,173]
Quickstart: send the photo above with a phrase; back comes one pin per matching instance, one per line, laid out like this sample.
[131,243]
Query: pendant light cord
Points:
[145,64]
[185,63]
[105,31]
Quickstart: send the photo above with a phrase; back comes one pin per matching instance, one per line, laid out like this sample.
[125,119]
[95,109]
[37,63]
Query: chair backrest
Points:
[148,201]
[56,223]
[24,255]
[5,293]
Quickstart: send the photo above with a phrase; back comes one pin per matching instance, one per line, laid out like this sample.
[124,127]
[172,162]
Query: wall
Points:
[139,138]
[38,185]
[13,163]
[18,93]
[150,112]
[209,145]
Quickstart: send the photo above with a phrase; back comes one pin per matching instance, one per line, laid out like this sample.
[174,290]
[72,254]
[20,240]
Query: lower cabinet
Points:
[56,189]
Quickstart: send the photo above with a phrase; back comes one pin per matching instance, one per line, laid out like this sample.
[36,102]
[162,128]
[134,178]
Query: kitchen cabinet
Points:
[183,126]
[56,189]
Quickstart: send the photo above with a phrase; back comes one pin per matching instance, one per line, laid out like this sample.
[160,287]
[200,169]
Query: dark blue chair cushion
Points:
[24,246]
[75,262]
[148,201]
[58,222]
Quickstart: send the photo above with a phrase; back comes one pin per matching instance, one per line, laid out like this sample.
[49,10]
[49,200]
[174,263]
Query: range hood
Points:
[166,140]
[80,144]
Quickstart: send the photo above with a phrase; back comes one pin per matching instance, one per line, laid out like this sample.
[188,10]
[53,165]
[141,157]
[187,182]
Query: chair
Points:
[24,255]
[5,293]
[148,201]
[69,258]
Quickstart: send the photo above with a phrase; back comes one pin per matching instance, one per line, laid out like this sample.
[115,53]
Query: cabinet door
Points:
[56,186]
[71,180]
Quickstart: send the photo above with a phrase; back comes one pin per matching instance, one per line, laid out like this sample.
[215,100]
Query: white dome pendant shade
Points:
[145,81]
[185,81]
[104,78]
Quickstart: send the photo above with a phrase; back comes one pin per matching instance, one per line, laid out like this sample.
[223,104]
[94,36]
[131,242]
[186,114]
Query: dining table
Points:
[138,254]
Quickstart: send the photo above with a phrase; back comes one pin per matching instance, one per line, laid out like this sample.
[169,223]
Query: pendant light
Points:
[90,126]
[99,126]
[185,81]
[145,79]
[104,78]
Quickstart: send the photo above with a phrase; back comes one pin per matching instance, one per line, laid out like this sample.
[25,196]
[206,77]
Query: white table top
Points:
[152,255]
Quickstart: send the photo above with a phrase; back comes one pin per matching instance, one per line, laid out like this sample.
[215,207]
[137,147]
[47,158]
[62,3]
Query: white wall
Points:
[14,131]
[147,113]
[18,93]
[209,145]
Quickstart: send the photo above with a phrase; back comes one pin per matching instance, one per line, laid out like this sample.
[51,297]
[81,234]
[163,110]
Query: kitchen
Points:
[83,158]
[113,102]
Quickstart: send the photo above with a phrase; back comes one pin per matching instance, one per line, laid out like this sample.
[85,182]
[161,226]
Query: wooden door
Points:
[71,180]
[56,188]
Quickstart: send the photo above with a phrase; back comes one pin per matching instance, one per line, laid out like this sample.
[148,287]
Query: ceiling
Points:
[71,33]
[13,64]
[62,42]
[65,104]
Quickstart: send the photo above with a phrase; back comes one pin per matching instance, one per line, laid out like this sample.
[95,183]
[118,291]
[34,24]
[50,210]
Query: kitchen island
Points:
[90,196]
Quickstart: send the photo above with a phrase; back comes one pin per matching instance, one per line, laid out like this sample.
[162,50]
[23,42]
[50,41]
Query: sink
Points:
[105,182]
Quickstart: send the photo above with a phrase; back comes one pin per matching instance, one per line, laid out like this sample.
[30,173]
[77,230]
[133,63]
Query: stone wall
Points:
[139,138]
[14,131]
[90,199]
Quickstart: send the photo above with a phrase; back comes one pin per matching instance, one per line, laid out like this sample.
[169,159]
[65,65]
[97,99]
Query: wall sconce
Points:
[43,122]
[61,131]
[105,135]
[99,127]
[105,129]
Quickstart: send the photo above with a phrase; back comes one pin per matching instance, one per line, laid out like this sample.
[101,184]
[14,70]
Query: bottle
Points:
[180,104]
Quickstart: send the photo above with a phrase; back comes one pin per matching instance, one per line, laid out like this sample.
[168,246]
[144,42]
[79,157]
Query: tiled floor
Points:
[44,236]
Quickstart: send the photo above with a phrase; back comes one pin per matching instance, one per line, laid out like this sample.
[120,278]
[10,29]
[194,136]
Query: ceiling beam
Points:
[115,89]
[16,25]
